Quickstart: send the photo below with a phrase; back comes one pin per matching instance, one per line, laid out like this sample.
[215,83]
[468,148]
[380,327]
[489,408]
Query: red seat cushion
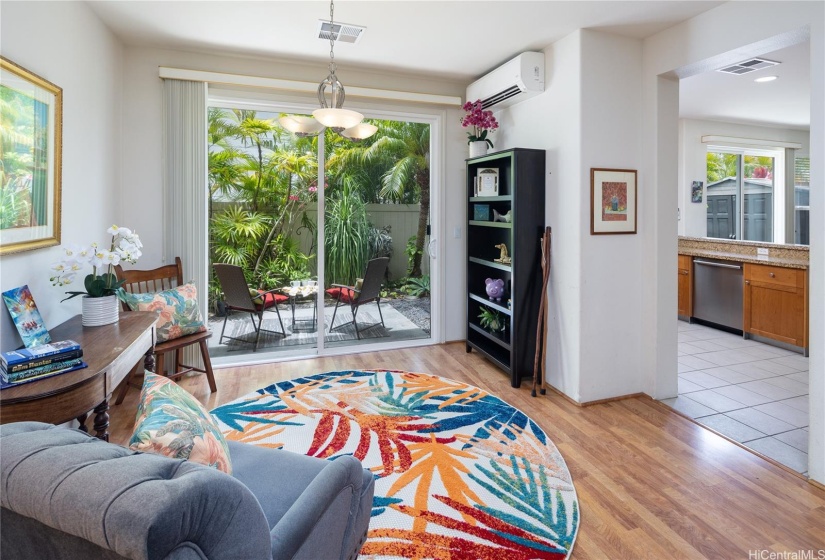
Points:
[271,299]
[347,295]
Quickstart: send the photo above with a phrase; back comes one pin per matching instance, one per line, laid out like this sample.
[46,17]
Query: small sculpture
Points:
[504,258]
[507,218]
[495,288]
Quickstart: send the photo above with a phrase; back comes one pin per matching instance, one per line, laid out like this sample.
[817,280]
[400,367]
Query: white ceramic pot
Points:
[478,148]
[100,311]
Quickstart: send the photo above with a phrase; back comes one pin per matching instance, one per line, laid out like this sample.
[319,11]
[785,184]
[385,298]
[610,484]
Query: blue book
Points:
[5,385]
[15,357]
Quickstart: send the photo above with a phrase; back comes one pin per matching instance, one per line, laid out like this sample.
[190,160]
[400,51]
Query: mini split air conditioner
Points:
[513,81]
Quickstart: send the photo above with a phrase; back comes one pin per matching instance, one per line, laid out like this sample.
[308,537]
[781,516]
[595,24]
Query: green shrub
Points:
[347,237]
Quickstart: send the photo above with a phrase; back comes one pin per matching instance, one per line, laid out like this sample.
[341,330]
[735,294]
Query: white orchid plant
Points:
[125,247]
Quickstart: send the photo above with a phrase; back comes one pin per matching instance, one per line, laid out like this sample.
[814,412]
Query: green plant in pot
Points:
[491,320]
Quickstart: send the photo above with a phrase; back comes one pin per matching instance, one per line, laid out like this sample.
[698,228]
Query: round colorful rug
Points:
[459,473]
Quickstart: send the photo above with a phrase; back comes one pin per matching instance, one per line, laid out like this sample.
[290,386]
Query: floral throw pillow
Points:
[177,309]
[173,423]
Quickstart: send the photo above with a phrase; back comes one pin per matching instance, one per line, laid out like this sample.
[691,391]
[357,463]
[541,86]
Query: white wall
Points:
[142,159]
[693,162]
[701,44]
[70,47]
[594,334]
[551,121]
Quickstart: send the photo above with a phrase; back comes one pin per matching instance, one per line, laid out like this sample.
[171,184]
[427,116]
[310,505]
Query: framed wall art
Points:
[30,160]
[696,191]
[612,201]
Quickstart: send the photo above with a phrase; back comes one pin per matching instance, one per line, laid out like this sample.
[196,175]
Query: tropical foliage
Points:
[459,473]
[721,165]
[262,179]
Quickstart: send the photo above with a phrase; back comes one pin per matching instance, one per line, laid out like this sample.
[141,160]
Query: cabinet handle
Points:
[747,282]
[772,275]
[683,272]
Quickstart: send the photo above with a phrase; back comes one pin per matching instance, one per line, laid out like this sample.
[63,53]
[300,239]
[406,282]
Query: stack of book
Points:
[38,362]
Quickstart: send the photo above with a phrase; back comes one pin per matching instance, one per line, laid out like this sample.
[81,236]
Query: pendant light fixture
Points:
[331,114]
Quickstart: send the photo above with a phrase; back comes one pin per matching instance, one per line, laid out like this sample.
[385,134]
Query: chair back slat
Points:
[149,281]
[373,277]
[234,286]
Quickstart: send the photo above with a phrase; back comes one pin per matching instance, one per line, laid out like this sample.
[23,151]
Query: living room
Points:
[611,100]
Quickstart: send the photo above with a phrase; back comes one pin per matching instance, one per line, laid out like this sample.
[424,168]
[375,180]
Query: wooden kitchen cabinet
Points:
[685,286]
[776,303]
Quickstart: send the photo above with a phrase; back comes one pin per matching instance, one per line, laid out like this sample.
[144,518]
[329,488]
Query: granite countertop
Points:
[789,256]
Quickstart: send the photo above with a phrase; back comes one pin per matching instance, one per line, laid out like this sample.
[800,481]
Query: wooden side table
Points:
[111,352]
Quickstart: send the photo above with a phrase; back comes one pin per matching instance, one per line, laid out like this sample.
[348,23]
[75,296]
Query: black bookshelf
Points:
[521,184]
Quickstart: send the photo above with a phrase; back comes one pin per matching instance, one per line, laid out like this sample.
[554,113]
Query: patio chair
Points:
[369,291]
[157,280]
[237,297]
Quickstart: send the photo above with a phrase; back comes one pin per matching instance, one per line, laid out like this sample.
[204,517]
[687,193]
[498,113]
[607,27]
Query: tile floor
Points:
[751,392]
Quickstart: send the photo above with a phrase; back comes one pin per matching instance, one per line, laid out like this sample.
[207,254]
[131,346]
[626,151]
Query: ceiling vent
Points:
[340,32]
[748,66]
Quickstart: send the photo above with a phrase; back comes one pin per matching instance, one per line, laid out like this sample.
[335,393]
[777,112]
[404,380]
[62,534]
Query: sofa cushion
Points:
[173,423]
[177,309]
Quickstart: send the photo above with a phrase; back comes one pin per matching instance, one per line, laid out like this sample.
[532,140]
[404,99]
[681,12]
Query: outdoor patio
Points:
[404,319]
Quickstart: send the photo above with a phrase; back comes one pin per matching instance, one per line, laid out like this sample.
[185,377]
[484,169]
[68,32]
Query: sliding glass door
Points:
[741,195]
[270,212]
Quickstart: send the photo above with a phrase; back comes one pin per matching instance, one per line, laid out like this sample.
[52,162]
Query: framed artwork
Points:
[696,191]
[612,201]
[30,160]
[26,317]
[487,181]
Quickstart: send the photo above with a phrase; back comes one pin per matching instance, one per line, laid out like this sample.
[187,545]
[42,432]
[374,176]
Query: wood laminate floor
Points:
[650,483]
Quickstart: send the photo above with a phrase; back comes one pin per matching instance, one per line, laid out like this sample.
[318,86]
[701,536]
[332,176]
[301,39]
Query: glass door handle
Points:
[431,246]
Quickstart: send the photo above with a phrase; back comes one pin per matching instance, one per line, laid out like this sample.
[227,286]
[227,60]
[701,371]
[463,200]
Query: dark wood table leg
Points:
[82,420]
[102,420]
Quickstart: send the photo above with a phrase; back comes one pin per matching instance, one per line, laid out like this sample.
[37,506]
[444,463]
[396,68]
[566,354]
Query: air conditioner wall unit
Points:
[510,83]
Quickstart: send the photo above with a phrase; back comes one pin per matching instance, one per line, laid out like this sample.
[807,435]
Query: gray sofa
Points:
[67,495]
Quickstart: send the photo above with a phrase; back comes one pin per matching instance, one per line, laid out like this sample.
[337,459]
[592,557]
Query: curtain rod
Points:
[305,87]
[751,142]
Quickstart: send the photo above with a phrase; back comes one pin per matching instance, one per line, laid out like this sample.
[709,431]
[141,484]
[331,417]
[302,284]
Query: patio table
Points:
[301,293]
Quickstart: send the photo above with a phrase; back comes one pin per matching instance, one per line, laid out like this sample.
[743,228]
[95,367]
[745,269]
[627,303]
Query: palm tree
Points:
[402,149]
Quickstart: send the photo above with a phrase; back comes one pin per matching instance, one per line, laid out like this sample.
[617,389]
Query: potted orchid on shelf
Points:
[102,288]
[482,122]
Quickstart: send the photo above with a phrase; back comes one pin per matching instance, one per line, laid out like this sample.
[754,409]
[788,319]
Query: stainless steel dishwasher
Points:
[717,292]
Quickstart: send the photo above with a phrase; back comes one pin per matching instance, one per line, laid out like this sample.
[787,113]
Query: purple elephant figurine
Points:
[495,288]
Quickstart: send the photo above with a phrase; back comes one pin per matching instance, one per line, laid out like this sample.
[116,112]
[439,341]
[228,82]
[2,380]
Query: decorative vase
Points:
[478,148]
[98,311]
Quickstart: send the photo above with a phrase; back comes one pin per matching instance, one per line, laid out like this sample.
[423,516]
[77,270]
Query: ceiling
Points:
[783,102]
[456,40]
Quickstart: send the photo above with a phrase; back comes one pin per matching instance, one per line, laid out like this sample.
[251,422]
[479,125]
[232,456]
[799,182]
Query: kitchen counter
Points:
[788,256]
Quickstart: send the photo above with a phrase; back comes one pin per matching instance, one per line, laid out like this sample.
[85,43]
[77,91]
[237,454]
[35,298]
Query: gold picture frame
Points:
[30,160]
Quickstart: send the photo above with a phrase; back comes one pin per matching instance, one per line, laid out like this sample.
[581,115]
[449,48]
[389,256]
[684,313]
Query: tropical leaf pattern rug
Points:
[459,473]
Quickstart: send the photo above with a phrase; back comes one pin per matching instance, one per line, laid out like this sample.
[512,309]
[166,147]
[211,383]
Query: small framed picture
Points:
[481,212]
[612,201]
[696,191]
[487,181]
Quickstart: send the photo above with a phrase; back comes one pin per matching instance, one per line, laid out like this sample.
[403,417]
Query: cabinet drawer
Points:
[684,262]
[790,277]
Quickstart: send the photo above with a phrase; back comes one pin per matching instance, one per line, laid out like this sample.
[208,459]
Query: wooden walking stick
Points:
[541,324]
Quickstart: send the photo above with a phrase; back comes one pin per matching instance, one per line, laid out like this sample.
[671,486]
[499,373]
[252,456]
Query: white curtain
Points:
[185,186]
